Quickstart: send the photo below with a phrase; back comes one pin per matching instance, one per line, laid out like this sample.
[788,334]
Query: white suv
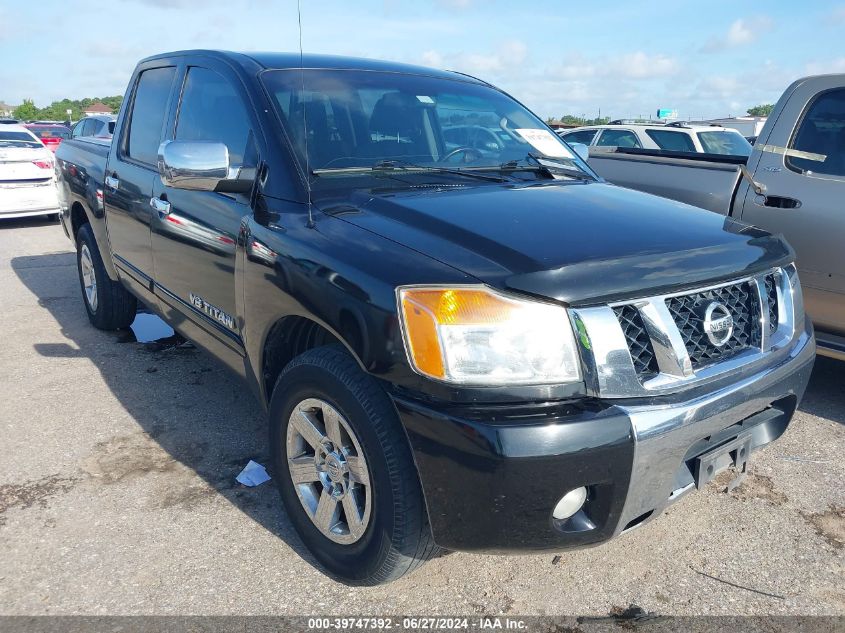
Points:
[677,137]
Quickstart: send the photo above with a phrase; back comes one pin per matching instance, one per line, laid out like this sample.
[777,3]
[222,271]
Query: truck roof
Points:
[270,60]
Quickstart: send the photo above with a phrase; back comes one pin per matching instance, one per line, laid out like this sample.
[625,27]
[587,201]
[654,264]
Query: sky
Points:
[622,58]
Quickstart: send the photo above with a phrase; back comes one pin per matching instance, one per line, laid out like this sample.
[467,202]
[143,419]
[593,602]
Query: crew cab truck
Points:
[795,186]
[472,350]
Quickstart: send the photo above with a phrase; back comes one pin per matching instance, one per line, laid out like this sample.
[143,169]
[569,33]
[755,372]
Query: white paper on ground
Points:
[544,142]
[253,474]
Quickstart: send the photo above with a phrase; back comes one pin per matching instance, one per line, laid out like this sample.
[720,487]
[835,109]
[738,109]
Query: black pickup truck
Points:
[462,344]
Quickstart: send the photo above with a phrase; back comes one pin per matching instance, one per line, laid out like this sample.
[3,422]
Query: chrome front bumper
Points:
[664,434]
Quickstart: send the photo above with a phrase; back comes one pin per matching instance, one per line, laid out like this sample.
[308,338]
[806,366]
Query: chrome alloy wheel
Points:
[328,471]
[89,277]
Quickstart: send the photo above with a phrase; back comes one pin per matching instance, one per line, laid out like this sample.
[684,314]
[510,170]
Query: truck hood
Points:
[574,243]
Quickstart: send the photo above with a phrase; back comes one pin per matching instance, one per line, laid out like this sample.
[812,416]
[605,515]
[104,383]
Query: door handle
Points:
[777,202]
[112,182]
[162,206]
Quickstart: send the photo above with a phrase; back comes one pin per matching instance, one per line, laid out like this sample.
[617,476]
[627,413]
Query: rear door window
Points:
[83,128]
[724,142]
[149,110]
[581,136]
[618,138]
[822,135]
[672,141]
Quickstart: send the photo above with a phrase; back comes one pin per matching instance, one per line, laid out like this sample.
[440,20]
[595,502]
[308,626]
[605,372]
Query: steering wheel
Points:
[466,151]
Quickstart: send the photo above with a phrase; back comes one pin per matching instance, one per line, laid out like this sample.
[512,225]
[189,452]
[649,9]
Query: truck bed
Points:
[708,181]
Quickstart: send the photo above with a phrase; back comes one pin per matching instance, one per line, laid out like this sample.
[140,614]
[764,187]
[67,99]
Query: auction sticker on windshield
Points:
[544,142]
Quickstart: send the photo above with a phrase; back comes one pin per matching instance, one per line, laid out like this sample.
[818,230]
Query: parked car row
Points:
[28,184]
[675,137]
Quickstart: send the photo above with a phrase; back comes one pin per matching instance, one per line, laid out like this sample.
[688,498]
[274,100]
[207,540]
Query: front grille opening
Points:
[639,342]
[635,522]
[688,313]
[772,294]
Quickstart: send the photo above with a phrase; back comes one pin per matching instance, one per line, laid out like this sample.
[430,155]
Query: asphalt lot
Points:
[117,494]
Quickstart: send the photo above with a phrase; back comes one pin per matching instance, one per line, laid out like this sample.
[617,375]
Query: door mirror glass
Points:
[201,166]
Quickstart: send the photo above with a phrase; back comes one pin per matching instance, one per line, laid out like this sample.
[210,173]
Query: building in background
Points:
[96,108]
[6,110]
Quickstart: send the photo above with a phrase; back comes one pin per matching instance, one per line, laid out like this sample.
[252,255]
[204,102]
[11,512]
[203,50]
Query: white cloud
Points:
[432,58]
[828,66]
[740,33]
[636,65]
[571,81]
[456,4]
[504,58]
[640,65]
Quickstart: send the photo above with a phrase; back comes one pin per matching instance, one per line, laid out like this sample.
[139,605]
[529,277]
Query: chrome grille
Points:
[649,345]
[639,342]
[772,295]
[688,313]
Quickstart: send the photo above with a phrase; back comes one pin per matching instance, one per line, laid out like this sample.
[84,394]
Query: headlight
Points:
[473,335]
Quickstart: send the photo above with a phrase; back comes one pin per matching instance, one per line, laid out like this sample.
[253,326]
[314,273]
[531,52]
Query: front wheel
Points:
[109,305]
[345,471]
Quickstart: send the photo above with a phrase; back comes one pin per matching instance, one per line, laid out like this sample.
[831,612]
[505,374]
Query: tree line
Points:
[57,111]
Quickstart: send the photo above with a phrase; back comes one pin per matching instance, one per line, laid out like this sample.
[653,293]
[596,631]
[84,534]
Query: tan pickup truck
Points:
[794,185]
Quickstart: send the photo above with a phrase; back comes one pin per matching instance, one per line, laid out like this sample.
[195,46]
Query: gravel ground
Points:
[117,495]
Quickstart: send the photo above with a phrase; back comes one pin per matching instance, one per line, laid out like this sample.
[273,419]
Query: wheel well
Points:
[288,338]
[77,218]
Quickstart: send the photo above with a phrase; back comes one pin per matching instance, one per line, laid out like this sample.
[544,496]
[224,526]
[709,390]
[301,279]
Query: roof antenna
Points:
[304,115]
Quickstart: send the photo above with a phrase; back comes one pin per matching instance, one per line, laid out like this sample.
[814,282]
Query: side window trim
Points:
[808,108]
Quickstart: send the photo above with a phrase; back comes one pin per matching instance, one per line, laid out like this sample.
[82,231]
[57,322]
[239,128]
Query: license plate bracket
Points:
[733,454]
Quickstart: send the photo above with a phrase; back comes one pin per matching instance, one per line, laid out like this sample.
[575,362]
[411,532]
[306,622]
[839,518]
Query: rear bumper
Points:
[492,477]
[28,199]
[29,213]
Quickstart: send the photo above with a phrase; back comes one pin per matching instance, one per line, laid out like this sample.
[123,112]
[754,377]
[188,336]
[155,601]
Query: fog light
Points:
[570,503]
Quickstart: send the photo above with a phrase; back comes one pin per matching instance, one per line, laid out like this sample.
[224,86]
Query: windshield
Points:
[725,142]
[358,121]
[17,139]
[47,131]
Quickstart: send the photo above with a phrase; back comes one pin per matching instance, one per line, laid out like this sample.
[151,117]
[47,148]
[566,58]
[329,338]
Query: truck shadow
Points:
[22,223]
[194,416]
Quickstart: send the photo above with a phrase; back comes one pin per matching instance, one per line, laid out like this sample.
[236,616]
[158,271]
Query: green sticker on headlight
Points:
[582,333]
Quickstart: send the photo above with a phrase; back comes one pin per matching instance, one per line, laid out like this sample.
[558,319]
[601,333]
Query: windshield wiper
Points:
[550,165]
[405,166]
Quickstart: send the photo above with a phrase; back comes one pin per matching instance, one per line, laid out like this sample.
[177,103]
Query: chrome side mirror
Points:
[582,150]
[201,166]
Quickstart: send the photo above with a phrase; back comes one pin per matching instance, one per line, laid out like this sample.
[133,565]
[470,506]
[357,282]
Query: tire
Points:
[108,304]
[394,537]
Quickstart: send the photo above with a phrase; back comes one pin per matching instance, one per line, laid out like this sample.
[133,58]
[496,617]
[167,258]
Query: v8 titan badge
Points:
[213,311]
